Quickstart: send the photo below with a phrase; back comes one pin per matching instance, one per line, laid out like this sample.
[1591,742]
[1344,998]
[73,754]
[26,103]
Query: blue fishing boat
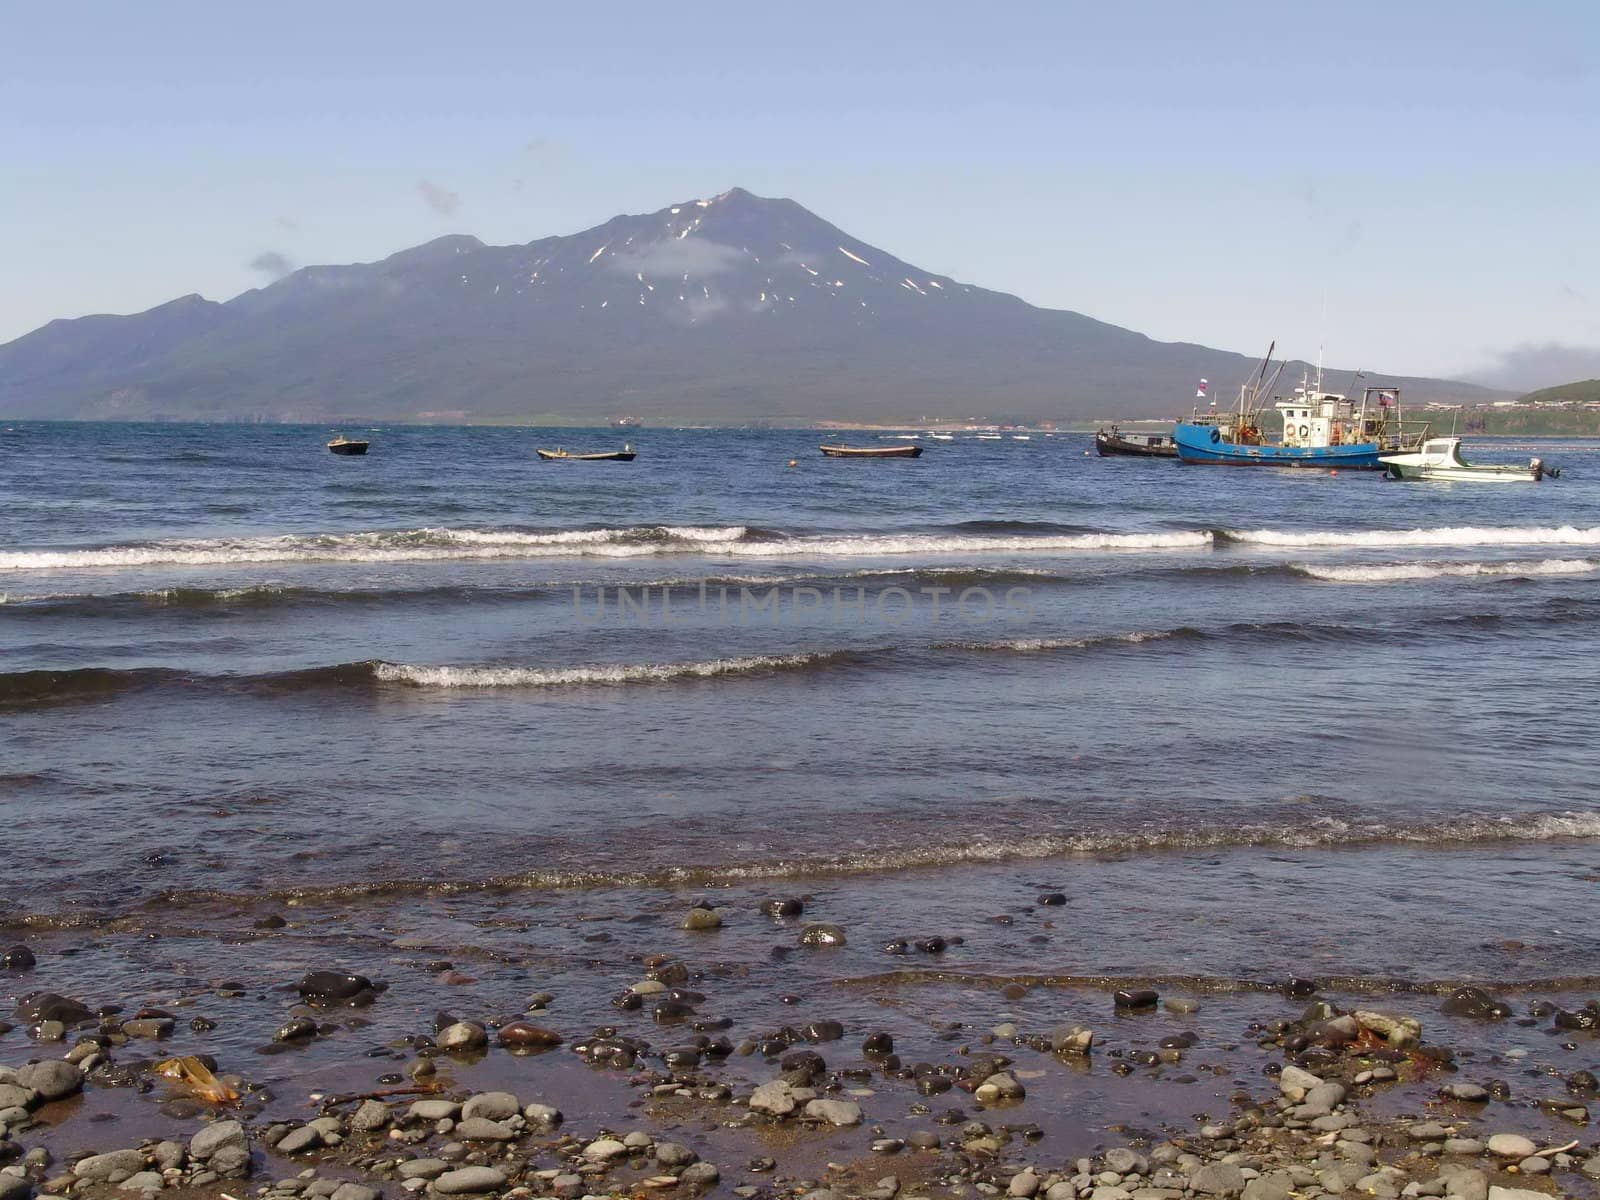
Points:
[1319,428]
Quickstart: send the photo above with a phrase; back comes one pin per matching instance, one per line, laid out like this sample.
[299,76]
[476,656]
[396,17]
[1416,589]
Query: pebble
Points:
[834,1112]
[701,919]
[524,1035]
[465,1181]
[1135,998]
[1511,1145]
[820,934]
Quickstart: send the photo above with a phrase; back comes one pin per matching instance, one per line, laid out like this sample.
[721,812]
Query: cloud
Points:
[695,257]
[1527,367]
[441,200]
[272,264]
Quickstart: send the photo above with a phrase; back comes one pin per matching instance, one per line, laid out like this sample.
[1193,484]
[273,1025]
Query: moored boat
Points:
[626,454]
[1113,443]
[836,451]
[347,446]
[1320,428]
[1440,458]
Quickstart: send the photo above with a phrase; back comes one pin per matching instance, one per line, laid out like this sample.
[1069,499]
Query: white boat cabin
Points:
[1315,419]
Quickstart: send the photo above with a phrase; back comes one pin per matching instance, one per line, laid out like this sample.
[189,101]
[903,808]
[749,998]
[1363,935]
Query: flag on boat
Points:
[1385,399]
[1200,392]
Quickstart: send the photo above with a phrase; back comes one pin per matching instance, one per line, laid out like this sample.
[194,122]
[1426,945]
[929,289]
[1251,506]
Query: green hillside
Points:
[1581,392]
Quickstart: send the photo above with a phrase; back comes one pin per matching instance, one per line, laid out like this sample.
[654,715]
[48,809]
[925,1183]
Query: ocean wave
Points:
[1404,572]
[530,677]
[1465,832]
[1462,535]
[421,545]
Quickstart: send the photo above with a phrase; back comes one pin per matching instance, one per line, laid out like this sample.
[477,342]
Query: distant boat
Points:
[1113,443]
[626,422]
[872,451]
[1440,458]
[1020,437]
[943,437]
[1320,429]
[344,445]
[989,437]
[898,437]
[626,454]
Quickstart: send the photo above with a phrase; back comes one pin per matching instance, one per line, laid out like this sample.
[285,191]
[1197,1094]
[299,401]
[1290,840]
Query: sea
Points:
[479,725]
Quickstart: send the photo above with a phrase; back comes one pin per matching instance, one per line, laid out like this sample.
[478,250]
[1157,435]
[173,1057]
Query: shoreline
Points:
[365,1088]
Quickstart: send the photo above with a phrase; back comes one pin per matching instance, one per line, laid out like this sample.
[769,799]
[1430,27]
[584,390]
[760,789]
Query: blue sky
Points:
[1417,185]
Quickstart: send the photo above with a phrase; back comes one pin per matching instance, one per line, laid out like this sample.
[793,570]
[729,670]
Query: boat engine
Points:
[1540,471]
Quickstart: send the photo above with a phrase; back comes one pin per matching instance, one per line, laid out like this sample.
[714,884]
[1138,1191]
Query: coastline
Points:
[362,1086]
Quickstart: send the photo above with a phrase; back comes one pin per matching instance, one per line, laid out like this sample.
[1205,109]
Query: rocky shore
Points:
[1332,1098]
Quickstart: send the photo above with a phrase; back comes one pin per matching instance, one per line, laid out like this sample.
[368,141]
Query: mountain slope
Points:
[731,309]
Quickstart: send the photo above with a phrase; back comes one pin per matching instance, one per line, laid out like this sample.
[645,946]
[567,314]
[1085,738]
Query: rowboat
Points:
[871,451]
[626,454]
[1440,458]
[1113,443]
[344,445]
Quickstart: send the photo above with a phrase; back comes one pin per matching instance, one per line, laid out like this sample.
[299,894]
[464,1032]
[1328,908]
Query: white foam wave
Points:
[525,677]
[1403,572]
[1037,645]
[874,545]
[421,545]
[1463,535]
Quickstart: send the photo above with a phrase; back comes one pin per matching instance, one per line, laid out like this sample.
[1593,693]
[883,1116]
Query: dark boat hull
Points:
[872,451]
[1108,446]
[349,448]
[613,456]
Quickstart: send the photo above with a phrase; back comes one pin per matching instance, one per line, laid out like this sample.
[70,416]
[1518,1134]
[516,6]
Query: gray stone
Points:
[1397,1031]
[673,1154]
[1324,1097]
[435,1110]
[1061,1191]
[1072,1039]
[1534,1165]
[496,1106]
[1276,1186]
[604,1150]
[143,1181]
[214,1137]
[15,1187]
[1471,1092]
[998,1088]
[53,1079]
[469,1181]
[546,1116]
[834,1112]
[1591,1167]
[1295,1083]
[1503,1193]
[463,1035]
[356,1191]
[1218,1179]
[1126,1162]
[775,1098]
[481,1129]
[423,1168]
[1024,1184]
[699,1175]
[701,919]
[297,1140]
[14,1095]
[150,1028]
[110,1167]
[371,1116]
[1511,1145]
[1467,1184]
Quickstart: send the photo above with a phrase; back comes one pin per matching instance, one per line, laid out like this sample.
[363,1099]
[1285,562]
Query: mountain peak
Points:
[732,307]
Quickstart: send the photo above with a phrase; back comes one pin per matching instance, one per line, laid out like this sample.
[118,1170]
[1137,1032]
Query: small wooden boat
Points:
[872,451]
[1440,458]
[626,454]
[1113,443]
[344,445]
